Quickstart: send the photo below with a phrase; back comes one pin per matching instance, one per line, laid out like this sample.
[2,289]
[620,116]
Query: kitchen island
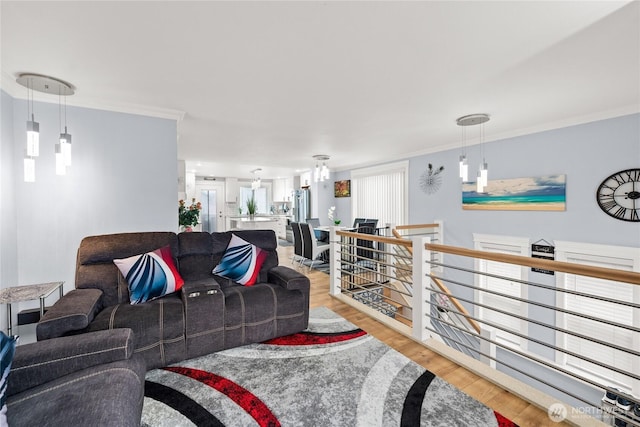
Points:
[257,223]
[276,223]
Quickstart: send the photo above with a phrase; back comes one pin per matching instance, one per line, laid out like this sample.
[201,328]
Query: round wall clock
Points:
[619,195]
[430,180]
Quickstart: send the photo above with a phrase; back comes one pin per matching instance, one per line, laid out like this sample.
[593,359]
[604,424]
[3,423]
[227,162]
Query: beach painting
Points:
[543,193]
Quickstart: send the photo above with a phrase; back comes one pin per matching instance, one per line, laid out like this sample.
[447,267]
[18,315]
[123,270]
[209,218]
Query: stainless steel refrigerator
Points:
[301,205]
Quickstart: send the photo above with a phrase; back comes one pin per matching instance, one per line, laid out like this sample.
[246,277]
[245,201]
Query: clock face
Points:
[619,195]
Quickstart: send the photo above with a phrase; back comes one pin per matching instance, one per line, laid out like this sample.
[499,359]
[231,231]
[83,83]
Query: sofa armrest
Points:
[73,312]
[289,278]
[43,361]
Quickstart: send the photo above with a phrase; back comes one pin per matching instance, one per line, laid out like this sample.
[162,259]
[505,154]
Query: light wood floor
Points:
[510,406]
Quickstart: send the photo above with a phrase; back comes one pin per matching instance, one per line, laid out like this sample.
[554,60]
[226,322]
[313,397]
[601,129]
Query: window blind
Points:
[617,257]
[380,193]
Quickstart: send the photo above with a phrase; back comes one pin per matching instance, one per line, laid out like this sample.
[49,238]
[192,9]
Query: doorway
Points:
[211,196]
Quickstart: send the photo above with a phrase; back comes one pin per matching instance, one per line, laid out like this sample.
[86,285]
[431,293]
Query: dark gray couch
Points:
[88,380]
[209,314]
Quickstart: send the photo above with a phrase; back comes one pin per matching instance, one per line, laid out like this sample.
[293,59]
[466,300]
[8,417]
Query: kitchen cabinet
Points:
[281,227]
[231,190]
[282,189]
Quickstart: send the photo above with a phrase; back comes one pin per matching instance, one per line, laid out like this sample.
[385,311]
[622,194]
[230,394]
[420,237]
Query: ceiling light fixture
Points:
[52,86]
[483,172]
[321,173]
[255,182]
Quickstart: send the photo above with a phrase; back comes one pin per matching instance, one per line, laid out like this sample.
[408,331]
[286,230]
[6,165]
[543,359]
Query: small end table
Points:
[15,294]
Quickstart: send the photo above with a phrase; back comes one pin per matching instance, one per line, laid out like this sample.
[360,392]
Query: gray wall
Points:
[586,154]
[123,178]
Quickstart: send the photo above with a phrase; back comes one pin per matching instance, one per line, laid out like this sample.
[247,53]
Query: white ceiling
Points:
[269,84]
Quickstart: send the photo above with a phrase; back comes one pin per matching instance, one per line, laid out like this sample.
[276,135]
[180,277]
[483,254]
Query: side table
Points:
[15,294]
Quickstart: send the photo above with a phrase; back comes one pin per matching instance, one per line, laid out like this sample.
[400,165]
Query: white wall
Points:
[8,233]
[123,178]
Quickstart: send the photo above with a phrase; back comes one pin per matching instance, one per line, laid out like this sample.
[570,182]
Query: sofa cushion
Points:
[7,350]
[158,327]
[95,267]
[151,275]
[39,362]
[111,394]
[195,258]
[241,261]
[260,312]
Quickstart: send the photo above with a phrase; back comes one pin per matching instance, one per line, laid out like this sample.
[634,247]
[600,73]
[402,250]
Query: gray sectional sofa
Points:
[208,314]
[94,379]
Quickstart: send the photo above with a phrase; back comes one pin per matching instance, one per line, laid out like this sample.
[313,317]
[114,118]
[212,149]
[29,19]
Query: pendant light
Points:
[256,182]
[49,85]
[483,172]
[63,148]
[463,165]
[65,139]
[321,173]
[33,127]
[29,169]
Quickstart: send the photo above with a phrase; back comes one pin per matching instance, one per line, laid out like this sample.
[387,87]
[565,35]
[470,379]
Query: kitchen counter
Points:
[255,219]
[276,223]
[257,223]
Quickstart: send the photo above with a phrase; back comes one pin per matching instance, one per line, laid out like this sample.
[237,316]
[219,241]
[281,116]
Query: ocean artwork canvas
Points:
[543,193]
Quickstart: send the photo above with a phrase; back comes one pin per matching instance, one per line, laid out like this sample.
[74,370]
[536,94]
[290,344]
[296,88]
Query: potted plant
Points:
[332,210]
[252,206]
[188,215]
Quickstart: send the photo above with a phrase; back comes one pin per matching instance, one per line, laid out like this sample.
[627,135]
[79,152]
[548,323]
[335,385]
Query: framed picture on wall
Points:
[342,188]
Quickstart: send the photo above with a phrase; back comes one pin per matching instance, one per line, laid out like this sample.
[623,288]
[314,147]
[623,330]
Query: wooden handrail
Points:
[374,238]
[399,236]
[463,311]
[414,226]
[545,264]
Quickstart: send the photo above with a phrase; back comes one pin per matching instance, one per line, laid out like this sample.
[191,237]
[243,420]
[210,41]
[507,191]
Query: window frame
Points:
[590,254]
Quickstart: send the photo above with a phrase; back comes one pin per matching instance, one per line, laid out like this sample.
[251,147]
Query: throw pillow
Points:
[151,275]
[7,349]
[241,261]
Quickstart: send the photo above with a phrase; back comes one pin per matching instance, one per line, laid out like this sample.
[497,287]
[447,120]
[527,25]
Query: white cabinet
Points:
[231,190]
[282,189]
[281,227]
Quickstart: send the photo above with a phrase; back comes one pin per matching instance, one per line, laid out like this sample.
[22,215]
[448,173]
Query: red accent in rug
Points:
[240,395]
[310,338]
[504,422]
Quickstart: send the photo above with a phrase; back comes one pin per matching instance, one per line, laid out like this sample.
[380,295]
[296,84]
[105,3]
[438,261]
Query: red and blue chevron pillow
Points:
[7,350]
[241,261]
[151,275]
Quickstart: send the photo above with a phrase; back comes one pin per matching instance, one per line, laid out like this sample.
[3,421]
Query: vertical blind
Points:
[380,193]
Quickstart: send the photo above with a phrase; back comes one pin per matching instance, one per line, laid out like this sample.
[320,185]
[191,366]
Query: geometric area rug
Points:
[332,374]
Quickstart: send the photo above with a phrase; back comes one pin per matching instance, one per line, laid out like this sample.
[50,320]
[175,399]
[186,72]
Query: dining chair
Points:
[312,249]
[298,244]
[365,247]
[315,223]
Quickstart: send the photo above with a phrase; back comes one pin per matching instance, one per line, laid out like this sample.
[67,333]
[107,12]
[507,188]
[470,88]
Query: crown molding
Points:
[9,85]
